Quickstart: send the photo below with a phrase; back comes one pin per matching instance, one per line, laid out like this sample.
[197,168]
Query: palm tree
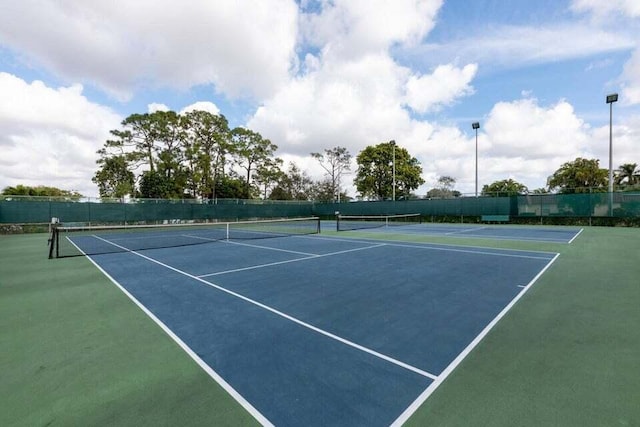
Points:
[629,173]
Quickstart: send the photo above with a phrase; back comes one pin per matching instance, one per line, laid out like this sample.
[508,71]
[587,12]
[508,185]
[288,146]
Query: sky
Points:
[311,75]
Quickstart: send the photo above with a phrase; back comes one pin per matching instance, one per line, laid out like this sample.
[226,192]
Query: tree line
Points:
[578,176]
[196,155]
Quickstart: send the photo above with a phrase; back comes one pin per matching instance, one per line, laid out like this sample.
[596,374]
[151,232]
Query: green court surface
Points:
[77,351]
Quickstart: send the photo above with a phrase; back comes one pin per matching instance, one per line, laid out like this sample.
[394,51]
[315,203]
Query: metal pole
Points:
[476,162]
[611,159]
[610,100]
[394,172]
[476,126]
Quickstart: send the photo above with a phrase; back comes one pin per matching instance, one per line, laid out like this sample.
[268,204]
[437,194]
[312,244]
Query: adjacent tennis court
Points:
[410,224]
[318,330]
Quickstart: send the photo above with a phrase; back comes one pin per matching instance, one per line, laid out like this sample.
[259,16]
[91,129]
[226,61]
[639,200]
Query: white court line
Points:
[271,248]
[466,230]
[253,267]
[444,374]
[576,236]
[210,371]
[434,246]
[284,315]
[471,236]
[247,244]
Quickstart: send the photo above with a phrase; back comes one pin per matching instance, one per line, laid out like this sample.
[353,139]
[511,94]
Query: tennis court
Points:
[408,225]
[77,351]
[319,330]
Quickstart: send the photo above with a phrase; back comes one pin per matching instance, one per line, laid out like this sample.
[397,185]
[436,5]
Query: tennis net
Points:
[358,222]
[95,240]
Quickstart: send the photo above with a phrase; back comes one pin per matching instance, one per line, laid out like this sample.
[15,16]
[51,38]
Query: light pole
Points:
[610,100]
[476,126]
[393,162]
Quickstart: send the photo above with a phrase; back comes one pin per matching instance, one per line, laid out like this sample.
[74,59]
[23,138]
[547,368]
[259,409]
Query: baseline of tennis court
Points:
[313,330]
[500,232]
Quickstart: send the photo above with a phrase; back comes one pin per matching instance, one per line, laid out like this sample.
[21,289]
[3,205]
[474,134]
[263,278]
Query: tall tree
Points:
[268,175]
[335,162]
[322,191]
[206,145]
[444,189]
[114,179]
[374,177]
[579,176]
[295,184]
[251,151]
[627,174]
[167,134]
[138,133]
[503,188]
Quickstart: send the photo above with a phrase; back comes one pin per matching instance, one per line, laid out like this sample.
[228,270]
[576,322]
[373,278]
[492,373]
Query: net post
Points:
[53,236]
[53,243]
[52,240]
[337,213]
[227,232]
[57,243]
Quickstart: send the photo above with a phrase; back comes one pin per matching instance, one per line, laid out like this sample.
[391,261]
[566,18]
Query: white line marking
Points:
[425,245]
[270,248]
[212,373]
[253,267]
[466,230]
[461,233]
[286,316]
[576,236]
[443,376]
[245,244]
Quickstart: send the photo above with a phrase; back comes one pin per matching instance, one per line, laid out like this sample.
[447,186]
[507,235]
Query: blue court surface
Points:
[486,231]
[319,330]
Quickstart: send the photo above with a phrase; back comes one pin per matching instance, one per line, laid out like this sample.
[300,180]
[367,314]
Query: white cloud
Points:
[601,8]
[50,136]
[622,15]
[446,83]
[121,45]
[626,134]
[201,106]
[154,106]
[516,46]
[524,128]
[348,28]
[631,80]
[352,103]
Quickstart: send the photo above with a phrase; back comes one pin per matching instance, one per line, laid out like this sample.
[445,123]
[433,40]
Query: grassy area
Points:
[77,351]
[566,355]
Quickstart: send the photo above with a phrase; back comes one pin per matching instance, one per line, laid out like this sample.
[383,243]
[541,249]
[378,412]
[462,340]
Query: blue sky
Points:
[311,75]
